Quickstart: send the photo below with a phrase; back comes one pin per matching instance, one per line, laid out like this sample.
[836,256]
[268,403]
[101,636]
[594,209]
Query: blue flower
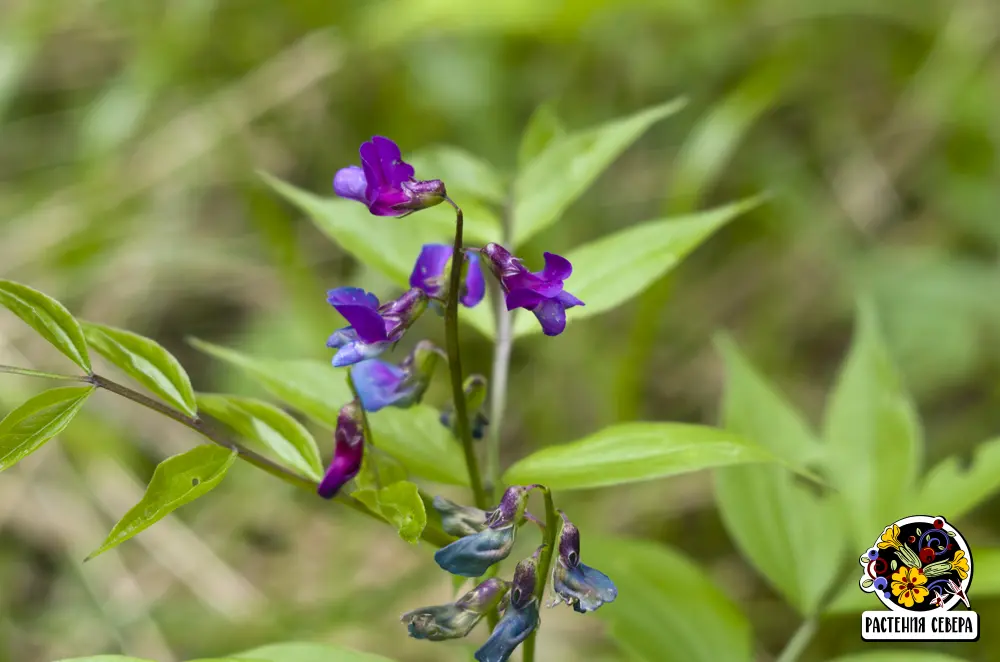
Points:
[455,620]
[374,328]
[348,452]
[576,584]
[385,183]
[430,274]
[380,384]
[542,293]
[519,619]
[473,554]
[475,398]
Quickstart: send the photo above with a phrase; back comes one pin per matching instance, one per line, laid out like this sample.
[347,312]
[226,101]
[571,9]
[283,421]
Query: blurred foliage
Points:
[130,139]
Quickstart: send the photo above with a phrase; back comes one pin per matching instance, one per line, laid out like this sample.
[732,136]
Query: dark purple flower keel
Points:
[541,292]
[348,452]
[576,584]
[385,183]
[519,619]
[456,620]
[373,328]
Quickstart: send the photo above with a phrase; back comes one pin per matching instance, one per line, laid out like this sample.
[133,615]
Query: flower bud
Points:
[456,620]
[349,449]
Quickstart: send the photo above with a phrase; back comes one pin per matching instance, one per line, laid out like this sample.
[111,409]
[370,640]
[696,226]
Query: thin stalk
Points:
[13,370]
[433,536]
[462,429]
[799,641]
[499,374]
[544,566]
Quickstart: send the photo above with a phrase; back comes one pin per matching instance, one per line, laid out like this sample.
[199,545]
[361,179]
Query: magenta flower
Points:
[430,274]
[348,451]
[385,183]
[541,292]
[373,328]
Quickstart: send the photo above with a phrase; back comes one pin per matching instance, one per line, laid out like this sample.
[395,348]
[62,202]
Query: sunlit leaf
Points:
[899,656]
[24,430]
[104,658]
[634,452]
[305,652]
[564,170]
[269,427]
[950,490]
[416,437]
[667,609]
[48,317]
[611,270]
[176,481]
[463,174]
[775,522]
[873,434]
[544,127]
[387,244]
[314,388]
[401,505]
[144,361]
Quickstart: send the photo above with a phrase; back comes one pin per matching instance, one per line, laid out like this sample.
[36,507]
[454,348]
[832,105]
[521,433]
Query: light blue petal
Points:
[472,555]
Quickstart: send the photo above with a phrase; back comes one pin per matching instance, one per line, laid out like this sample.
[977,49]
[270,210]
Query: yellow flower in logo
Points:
[961,564]
[908,586]
[889,538]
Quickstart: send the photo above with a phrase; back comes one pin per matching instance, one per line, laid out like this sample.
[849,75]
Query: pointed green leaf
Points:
[775,522]
[401,505]
[667,605]
[104,658]
[146,362]
[387,244]
[952,491]
[464,175]
[176,481]
[314,388]
[899,656]
[413,436]
[544,127]
[286,439]
[48,317]
[416,437]
[873,435]
[305,652]
[633,452]
[25,429]
[564,170]
[613,269]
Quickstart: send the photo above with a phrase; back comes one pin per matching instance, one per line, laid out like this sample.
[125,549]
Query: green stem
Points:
[799,641]
[433,536]
[13,370]
[462,429]
[498,378]
[544,566]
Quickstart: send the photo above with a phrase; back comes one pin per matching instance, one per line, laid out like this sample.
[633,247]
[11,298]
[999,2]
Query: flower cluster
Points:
[388,187]
[487,538]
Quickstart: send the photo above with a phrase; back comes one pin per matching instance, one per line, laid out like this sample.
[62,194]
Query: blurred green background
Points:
[130,137]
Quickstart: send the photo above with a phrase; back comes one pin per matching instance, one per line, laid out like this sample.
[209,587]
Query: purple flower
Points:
[541,292]
[519,619]
[430,274]
[385,183]
[373,328]
[349,449]
[380,384]
[455,620]
[576,584]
